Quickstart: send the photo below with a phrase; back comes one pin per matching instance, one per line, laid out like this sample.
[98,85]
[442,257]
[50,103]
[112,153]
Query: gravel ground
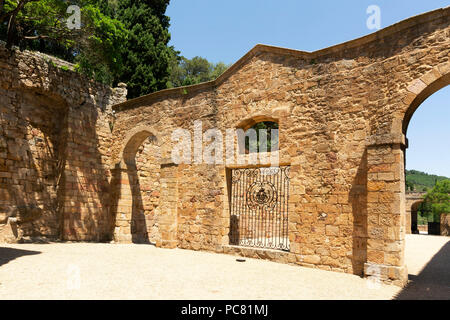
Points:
[106,271]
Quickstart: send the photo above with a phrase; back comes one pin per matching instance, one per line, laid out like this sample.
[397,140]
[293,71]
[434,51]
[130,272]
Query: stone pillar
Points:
[408,220]
[167,219]
[445,224]
[123,207]
[386,210]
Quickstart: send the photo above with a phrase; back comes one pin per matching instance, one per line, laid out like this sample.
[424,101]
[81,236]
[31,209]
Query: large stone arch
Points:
[421,89]
[386,180]
[418,91]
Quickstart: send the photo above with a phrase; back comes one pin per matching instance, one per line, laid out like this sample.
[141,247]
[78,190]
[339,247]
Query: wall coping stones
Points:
[261,48]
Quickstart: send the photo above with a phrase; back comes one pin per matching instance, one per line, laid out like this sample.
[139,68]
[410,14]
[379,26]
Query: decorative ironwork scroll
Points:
[259,207]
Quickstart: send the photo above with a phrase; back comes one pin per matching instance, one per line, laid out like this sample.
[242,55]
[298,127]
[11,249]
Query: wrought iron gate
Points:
[259,207]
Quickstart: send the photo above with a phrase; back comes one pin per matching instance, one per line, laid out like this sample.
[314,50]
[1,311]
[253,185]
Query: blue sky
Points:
[226,30]
[429,135]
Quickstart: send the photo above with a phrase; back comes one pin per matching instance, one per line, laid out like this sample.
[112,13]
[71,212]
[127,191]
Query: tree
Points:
[101,48]
[437,201]
[218,69]
[265,125]
[184,72]
[32,19]
[146,54]
[42,25]
[409,186]
[119,41]
[422,181]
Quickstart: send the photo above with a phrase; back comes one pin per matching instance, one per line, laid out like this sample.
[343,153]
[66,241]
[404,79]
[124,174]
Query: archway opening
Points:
[426,163]
[427,157]
[138,191]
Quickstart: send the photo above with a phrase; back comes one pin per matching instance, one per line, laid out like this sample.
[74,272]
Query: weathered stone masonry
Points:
[54,149]
[343,114]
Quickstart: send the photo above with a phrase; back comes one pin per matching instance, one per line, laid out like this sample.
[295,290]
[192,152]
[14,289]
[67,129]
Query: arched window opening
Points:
[262,137]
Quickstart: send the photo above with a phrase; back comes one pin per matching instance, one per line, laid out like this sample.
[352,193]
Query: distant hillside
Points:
[421,181]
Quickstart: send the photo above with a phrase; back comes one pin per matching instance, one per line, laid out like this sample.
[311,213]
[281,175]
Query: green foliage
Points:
[146,55]
[25,22]
[119,41]
[184,72]
[421,219]
[41,25]
[265,125]
[218,69]
[421,181]
[101,46]
[436,201]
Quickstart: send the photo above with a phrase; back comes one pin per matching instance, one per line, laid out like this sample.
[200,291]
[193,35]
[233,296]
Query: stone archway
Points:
[419,91]
[136,189]
[387,216]
[413,200]
[143,186]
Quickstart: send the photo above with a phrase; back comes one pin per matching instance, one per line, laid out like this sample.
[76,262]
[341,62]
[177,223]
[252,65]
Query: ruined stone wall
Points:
[445,224]
[413,200]
[55,142]
[342,111]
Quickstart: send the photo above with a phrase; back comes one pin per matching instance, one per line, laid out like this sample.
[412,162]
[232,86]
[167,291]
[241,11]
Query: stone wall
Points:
[55,142]
[445,224]
[343,113]
[423,228]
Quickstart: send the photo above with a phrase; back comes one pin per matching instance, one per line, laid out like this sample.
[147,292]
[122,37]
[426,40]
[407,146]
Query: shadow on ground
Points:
[8,254]
[433,282]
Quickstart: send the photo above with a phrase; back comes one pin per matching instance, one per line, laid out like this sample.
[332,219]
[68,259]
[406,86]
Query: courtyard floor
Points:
[113,271]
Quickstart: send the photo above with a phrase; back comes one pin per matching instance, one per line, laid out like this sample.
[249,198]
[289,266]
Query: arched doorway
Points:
[413,201]
[427,156]
[426,151]
[386,190]
[137,190]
